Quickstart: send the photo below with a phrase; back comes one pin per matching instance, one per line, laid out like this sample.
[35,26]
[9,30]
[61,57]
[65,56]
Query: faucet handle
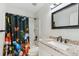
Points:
[59,38]
[66,41]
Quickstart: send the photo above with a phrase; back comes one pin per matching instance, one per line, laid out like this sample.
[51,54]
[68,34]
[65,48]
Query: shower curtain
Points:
[17,41]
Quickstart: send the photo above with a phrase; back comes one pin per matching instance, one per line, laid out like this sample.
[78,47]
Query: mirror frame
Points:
[65,27]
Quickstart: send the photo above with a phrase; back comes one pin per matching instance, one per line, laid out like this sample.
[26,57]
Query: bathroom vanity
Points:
[50,47]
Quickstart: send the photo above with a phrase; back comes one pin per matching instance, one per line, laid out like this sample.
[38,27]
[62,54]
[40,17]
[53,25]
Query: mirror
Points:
[66,17]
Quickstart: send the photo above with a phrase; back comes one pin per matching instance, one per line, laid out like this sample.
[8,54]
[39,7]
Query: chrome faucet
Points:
[59,38]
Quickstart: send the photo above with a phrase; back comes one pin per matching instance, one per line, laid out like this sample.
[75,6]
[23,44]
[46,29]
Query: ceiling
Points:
[27,6]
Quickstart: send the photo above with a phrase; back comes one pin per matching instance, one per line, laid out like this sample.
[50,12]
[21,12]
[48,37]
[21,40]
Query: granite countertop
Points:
[66,49]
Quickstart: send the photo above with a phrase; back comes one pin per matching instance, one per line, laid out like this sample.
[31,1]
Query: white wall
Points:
[44,21]
[18,11]
[2,26]
[5,8]
[45,30]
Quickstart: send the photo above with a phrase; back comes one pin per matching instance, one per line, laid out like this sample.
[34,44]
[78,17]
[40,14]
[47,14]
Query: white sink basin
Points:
[59,45]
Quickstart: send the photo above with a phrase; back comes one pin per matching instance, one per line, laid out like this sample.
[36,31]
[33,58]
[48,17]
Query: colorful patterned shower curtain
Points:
[17,41]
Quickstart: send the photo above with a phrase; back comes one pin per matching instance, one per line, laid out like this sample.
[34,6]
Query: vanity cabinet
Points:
[44,50]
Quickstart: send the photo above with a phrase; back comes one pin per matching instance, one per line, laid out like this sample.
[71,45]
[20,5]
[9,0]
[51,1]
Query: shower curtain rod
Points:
[22,15]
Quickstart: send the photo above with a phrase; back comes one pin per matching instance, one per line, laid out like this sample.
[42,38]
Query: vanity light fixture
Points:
[34,4]
[53,5]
